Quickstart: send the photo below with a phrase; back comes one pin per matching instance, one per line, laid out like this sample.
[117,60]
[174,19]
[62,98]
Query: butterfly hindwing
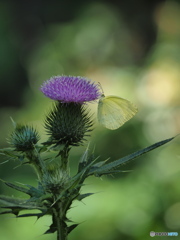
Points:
[114,111]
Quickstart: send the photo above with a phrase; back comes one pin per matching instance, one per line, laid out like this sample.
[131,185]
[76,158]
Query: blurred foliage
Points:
[98,44]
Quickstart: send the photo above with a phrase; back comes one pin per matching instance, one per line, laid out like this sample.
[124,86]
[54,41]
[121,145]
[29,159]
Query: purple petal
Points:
[71,89]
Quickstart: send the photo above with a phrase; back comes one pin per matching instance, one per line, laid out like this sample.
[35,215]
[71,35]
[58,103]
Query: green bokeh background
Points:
[98,40]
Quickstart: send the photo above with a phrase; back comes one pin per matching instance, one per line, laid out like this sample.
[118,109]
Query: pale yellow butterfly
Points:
[114,111]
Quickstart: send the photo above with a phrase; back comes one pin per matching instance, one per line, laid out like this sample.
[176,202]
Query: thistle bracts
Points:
[23,138]
[68,124]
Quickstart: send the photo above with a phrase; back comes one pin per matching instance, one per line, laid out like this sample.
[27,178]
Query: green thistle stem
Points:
[62,230]
[37,163]
[64,166]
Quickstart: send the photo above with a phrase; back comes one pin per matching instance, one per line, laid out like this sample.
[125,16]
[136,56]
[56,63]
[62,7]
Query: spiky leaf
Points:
[105,169]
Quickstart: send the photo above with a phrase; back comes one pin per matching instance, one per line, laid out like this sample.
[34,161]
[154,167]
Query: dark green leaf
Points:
[9,152]
[38,215]
[19,204]
[82,196]
[113,165]
[72,227]
[52,229]
[21,189]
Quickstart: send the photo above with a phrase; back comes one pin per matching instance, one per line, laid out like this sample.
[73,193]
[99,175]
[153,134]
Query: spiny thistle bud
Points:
[23,138]
[55,180]
[68,124]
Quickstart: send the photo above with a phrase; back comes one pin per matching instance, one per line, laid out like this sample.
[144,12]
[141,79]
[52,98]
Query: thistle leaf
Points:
[81,176]
[31,191]
[19,204]
[21,189]
[110,172]
[82,196]
[52,229]
[72,227]
[101,163]
[107,168]
[9,152]
[83,160]
[38,215]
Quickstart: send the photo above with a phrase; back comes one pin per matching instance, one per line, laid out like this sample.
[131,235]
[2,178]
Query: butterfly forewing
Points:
[114,111]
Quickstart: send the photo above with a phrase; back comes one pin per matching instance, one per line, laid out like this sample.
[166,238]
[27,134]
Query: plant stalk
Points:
[61,226]
[37,163]
[64,153]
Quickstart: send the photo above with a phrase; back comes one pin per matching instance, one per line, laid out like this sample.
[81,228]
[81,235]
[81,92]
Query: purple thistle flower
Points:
[71,89]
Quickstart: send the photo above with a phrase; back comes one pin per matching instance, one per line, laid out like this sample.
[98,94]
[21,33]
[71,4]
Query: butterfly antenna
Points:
[100,86]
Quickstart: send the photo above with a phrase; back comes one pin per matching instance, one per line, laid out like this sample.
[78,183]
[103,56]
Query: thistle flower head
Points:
[71,89]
